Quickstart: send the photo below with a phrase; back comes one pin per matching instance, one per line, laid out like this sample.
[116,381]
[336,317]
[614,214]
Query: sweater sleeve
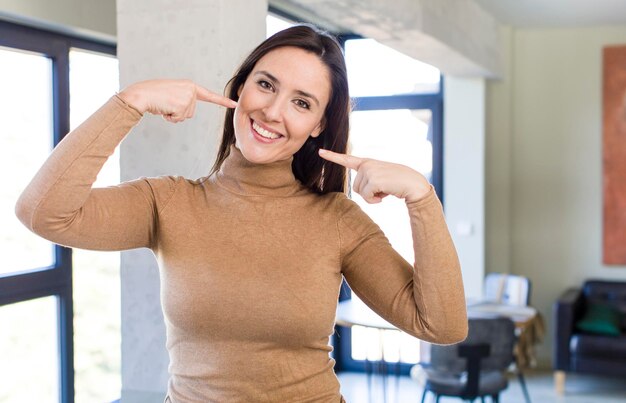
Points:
[427,300]
[60,204]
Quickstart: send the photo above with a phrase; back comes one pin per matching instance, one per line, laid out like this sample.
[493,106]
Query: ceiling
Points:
[556,13]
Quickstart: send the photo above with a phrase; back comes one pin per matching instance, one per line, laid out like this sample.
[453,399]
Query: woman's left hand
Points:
[378,179]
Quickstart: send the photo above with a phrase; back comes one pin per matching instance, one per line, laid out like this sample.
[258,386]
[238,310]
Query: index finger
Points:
[348,161]
[203,94]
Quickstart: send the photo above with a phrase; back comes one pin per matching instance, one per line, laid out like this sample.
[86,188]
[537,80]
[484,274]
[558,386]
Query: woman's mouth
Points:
[264,133]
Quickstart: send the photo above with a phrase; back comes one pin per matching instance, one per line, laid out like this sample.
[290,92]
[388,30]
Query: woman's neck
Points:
[241,176]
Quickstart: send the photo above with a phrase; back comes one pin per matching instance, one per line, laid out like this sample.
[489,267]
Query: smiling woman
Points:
[279,110]
[309,63]
[252,256]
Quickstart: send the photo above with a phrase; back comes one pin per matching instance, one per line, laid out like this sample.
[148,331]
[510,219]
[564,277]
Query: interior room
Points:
[503,105]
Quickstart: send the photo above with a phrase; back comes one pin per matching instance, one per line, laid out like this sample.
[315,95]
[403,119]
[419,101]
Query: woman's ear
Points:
[318,129]
[239,91]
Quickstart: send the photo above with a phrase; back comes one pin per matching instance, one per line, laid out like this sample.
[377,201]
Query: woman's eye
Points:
[302,104]
[264,84]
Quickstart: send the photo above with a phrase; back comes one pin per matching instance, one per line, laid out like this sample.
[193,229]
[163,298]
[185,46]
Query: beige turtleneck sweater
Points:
[251,263]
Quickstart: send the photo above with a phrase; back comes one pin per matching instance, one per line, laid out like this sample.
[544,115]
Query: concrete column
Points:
[203,40]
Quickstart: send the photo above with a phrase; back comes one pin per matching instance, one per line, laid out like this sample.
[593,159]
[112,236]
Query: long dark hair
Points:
[314,172]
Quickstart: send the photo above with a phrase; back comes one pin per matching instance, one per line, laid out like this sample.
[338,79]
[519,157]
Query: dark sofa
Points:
[595,349]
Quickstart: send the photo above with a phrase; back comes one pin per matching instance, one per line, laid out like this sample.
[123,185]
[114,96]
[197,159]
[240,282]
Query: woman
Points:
[252,256]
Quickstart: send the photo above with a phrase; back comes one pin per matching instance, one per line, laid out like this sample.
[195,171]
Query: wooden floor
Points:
[578,389]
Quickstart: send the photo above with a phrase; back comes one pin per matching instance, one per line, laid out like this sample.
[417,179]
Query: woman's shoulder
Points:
[176,180]
[340,202]
[161,181]
[350,218]
[165,185]
[167,188]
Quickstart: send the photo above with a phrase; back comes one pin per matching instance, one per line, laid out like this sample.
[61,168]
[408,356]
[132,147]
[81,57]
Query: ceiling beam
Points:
[456,36]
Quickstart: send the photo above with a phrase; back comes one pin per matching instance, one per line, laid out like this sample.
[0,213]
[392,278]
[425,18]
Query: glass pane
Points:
[94,79]
[376,70]
[97,326]
[373,344]
[26,141]
[29,367]
[275,24]
[405,141]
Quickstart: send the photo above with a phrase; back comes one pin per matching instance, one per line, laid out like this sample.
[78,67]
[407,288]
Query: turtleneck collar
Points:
[241,176]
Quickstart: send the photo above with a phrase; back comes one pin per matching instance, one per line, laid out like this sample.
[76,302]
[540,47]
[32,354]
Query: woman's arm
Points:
[60,205]
[426,300]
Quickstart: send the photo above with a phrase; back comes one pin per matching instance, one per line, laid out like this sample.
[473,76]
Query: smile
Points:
[265,133]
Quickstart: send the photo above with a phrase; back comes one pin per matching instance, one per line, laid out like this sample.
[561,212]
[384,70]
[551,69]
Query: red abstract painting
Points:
[614,155]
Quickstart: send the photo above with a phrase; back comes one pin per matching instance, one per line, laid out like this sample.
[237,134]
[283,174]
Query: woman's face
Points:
[281,104]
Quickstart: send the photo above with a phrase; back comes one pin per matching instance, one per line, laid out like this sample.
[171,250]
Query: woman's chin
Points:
[262,153]
[256,156]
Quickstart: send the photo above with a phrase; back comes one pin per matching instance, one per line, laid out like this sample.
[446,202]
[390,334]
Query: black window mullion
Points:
[100,47]
[65,328]
[30,285]
[60,89]
[65,311]
[23,38]
[417,101]
[436,131]
[15,35]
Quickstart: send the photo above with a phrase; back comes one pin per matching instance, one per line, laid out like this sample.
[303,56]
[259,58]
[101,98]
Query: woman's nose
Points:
[274,110]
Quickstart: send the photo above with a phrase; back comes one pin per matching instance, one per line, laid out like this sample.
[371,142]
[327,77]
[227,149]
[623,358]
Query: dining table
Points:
[526,318]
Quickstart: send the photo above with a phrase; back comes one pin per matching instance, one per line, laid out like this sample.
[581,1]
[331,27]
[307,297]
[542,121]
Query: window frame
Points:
[342,338]
[55,280]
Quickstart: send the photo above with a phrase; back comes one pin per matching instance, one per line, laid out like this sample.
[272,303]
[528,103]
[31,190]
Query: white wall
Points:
[552,132]
[498,123]
[464,173]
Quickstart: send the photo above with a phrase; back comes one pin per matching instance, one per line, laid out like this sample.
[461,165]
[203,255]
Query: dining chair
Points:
[474,368]
[507,289]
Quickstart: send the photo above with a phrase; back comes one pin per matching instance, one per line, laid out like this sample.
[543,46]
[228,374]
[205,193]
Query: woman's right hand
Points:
[175,100]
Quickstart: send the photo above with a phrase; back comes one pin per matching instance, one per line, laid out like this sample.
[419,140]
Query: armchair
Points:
[590,331]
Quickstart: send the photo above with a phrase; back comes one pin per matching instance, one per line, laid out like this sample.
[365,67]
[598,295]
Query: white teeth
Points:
[263,132]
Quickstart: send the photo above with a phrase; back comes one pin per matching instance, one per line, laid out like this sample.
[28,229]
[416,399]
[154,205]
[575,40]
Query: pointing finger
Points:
[205,95]
[348,161]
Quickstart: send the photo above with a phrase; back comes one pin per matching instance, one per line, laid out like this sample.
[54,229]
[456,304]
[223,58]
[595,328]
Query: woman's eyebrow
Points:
[307,95]
[300,92]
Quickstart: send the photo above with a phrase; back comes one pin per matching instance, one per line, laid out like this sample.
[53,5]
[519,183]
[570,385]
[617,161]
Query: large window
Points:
[54,322]
[397,118]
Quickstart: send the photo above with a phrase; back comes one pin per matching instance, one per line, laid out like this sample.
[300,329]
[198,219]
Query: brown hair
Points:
[314,172]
